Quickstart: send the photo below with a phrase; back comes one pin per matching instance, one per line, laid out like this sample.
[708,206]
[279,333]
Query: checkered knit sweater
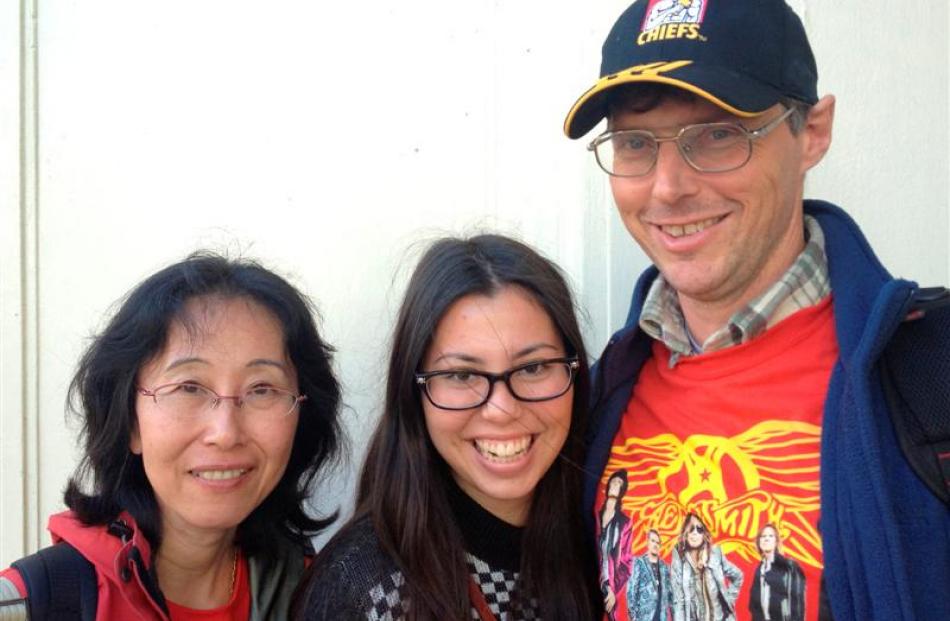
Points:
[361,582]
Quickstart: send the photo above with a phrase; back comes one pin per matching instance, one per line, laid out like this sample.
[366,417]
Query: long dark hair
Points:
[619,475]
[682,544]
[404,479]
[110,478]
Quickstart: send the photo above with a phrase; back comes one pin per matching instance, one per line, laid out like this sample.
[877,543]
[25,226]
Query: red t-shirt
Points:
[238,607]
[734,437]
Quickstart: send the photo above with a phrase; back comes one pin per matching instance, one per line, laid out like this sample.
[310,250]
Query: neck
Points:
[196,570]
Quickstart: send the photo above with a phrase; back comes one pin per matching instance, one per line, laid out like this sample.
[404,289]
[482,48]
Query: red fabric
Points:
[14,576]
[733,436]
[238,607]
[117,599]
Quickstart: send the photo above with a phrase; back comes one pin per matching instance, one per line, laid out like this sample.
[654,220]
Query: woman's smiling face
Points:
[500,450]
[211,467]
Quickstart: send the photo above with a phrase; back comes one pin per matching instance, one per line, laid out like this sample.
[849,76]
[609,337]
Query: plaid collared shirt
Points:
[804,284]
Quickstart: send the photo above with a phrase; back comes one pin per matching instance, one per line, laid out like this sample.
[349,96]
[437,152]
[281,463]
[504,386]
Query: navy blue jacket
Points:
[885,536]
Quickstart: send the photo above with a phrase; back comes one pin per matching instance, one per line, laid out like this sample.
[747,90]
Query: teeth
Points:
[219,475]
[675,230]
[504,451]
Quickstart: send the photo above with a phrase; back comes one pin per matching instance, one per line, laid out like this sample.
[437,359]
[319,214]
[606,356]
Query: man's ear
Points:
[816,133]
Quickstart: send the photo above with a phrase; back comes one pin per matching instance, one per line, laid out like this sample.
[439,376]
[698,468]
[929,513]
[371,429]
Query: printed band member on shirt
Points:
[614,540]
[705,584]
[778,586]
[649,594]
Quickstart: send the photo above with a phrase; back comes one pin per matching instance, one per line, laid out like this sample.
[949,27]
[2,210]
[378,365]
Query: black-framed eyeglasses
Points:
[191,399]
[706,147]
[464,389]
[696,528]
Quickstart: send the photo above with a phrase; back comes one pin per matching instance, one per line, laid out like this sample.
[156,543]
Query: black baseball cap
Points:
[741,55]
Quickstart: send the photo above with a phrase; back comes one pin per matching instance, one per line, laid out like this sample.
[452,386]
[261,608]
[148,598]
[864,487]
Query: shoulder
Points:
[52,578]
[787,562]
[356,545]
[352,576]
[11,585]
[716,557]
[12,591]
[12,604]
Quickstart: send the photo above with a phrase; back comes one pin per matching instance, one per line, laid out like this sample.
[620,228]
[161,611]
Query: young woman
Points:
[468,505]
[208,406]
[778,585]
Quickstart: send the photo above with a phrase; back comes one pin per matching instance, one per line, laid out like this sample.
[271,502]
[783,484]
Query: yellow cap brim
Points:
[590,107]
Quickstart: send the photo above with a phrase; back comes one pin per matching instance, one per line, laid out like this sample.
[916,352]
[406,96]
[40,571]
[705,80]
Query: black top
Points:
[356,579]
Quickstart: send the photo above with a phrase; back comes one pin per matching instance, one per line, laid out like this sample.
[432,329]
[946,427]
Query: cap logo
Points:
[672,19]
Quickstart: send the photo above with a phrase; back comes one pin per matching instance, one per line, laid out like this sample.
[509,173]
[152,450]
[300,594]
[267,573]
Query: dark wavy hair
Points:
[404,479]
[682,545]
[110,478]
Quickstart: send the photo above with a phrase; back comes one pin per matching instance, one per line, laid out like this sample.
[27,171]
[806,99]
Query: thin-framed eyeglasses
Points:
[464,389]
[190,399]
[706,147]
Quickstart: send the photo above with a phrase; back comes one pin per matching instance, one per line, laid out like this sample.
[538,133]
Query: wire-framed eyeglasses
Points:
[191,399]
[464,389]
[706,147]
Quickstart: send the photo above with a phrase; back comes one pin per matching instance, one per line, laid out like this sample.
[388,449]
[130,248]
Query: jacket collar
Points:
[868,301]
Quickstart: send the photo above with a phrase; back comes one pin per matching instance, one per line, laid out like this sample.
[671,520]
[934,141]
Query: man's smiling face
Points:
[717,238]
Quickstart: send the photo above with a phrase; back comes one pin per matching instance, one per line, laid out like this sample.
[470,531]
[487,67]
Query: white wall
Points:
[330,139]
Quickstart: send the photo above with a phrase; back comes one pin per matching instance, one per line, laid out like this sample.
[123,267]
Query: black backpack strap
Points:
[60,584]
[916,378]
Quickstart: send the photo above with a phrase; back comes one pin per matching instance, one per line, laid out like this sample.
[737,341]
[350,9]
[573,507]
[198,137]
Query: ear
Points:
[816,134]
[135,440]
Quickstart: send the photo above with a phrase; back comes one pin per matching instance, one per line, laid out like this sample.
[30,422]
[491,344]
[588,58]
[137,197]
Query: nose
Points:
[224,426]
[501,405]
[673,177]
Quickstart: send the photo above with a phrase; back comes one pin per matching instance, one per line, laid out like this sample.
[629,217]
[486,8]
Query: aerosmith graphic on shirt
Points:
[719,455]
[673,12]
[722,515]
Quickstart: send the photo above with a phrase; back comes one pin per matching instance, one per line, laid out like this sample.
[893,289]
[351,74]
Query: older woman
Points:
[467,502]
[208,406]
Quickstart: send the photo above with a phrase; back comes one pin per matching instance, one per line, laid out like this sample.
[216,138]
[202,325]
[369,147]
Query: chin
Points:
[217,519]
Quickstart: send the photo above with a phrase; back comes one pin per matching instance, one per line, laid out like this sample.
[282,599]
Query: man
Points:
[614,542]
[705,584]
[745,387]
[648,590]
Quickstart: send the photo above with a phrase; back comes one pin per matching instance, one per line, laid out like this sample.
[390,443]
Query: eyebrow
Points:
[267,362]
[253,363]
[521,353]
[180,362]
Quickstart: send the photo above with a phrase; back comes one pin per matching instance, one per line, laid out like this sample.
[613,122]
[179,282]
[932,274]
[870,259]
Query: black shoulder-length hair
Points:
[404,479]
[110,478]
